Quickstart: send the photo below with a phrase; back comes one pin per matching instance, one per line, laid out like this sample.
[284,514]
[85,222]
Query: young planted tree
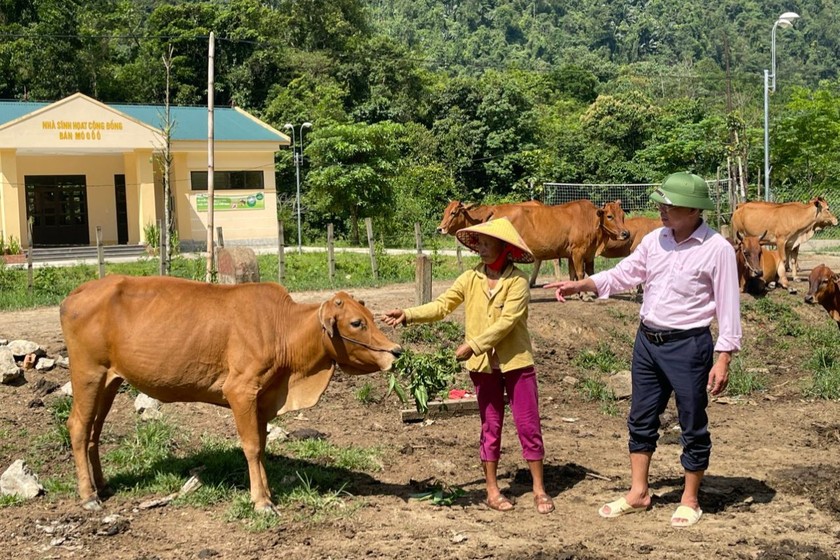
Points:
[351,171]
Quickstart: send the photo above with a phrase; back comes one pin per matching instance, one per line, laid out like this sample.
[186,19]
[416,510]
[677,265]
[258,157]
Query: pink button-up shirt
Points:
[686,284]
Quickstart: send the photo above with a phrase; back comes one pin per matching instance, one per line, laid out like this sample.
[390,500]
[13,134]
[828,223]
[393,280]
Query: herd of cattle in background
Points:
[579,231]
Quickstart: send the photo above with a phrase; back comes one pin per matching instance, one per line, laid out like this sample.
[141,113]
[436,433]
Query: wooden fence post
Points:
[423,279]
[330,252]
[281,253]
[220,237]
[373,266]
[418,238]
[458,257]
[100,252]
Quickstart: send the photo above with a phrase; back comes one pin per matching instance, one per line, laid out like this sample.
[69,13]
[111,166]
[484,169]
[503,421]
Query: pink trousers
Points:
[521,386]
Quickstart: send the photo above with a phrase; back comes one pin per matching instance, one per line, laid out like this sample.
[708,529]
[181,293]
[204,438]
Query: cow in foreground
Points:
[824,288]
[787,225]
[247,347]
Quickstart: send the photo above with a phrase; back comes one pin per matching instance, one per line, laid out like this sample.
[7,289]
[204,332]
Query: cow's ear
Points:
[618,201]
[327,317]
[836,279]
[600,212]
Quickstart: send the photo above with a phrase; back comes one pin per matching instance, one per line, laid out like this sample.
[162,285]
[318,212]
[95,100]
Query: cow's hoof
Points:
[92,504]
[771,286]
[792,290]
[267,507]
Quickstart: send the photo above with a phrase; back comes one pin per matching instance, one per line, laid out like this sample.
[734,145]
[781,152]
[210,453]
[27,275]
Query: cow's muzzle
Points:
[624,234]
[397,351]
[809,298]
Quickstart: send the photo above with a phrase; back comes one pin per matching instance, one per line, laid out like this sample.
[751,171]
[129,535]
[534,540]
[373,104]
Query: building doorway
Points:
[122,212]
[57,207]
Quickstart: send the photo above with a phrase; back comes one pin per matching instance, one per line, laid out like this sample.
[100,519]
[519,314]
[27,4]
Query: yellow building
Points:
[76,164]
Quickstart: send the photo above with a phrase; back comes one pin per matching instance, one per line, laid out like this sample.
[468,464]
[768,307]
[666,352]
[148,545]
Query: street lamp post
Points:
[298,157]
[785,20]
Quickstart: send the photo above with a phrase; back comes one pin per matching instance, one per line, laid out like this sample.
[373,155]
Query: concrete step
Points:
[48,254]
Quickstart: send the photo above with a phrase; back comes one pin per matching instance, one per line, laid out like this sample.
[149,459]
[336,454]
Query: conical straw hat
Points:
[502,229]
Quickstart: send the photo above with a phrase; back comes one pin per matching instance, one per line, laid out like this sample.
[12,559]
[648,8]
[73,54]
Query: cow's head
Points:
[749,246]
[822,284]
[458,216]
[353,339]
[450,214]
[825,218]
[611,220]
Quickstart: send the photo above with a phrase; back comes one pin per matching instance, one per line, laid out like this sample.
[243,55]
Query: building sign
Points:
[255,201]
[81,130]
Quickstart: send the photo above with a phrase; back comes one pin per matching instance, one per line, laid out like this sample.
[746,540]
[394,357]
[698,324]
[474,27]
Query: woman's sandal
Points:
[499,503]
[542,500]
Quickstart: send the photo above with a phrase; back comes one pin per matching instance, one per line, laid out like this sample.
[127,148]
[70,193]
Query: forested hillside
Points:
[416,101]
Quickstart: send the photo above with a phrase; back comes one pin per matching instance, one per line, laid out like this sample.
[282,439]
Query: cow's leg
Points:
[106,399]
[252,434]
[793,255]
[534,273]
[87,392]
[783,263]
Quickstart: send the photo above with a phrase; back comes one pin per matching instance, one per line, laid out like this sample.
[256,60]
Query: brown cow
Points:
[247,347]
[758,270]
[824,288]
[576,230]
[785,223]
[748,254]
[638,227]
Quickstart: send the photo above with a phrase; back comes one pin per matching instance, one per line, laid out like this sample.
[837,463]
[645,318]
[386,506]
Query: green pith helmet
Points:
[684,189]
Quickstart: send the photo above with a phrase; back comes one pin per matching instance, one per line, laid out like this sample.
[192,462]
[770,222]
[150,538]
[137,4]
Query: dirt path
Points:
[771,492]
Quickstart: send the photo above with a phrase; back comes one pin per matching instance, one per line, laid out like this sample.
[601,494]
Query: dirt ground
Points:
[772,491]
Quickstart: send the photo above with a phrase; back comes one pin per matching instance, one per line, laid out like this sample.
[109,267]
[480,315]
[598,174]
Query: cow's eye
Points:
[356,323]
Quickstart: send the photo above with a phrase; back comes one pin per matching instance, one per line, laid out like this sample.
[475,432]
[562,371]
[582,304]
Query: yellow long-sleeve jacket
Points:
[494,321]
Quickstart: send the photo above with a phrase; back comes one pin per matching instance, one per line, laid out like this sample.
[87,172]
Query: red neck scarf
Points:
[501,261]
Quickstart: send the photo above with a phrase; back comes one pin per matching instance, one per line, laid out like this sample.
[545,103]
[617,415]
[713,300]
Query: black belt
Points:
[661,337]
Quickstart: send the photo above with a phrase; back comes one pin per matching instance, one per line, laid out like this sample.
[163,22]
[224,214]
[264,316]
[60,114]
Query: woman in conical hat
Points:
[497,348]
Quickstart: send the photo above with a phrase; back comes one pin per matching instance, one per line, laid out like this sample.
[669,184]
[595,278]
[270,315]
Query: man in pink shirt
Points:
[689,273]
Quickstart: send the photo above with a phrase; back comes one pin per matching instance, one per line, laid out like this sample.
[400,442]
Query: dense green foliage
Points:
[414,102]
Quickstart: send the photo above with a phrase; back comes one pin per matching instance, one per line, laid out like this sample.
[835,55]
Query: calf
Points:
[824,288]
[246,347]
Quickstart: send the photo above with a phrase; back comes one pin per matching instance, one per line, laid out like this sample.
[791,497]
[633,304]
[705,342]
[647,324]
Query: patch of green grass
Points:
[351,458]
[365,394]
[601,359]
[743,382]
[151,443]
[59,435]
[594,389]
[824,364]
[8,500]
[781,314]
[58,486]
[439,333]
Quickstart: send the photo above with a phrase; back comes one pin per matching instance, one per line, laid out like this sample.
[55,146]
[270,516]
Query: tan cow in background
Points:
[247,347]
[786,224]
[577,230]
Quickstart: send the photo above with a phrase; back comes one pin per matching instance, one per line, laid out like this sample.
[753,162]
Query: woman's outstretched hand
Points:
[394,317]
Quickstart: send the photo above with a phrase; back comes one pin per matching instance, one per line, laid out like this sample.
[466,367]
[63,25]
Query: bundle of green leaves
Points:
[424,376]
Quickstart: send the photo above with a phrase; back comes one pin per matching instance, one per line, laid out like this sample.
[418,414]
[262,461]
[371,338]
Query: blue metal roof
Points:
[190,122]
